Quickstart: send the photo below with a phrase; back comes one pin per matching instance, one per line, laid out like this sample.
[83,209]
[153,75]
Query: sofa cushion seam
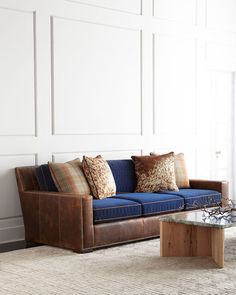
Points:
[117,207]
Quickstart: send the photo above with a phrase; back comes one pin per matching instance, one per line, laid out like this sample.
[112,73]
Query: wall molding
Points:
[218,28]
[11,229]
[172,20]
[155,131]
[107,8]
[35,155]
[96,152]
[33,13]
[53,114]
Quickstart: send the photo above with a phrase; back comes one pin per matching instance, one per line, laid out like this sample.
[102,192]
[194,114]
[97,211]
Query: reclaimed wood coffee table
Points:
[190,234]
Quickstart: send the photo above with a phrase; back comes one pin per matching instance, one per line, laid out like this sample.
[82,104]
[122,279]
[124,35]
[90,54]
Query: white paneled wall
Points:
[107,77]
[17,73]
[182,11]
[105,71]
[174,84]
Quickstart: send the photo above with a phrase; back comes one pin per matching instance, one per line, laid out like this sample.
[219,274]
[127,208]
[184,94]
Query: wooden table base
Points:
[177,239]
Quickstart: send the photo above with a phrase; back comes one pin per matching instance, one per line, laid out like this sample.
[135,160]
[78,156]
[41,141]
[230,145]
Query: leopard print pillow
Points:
[181,172]
[155,173]
[99,177]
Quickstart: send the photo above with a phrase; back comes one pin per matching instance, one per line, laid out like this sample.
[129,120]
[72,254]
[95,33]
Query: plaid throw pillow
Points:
[181,173]
[155,173]
[69,177]
[99,176]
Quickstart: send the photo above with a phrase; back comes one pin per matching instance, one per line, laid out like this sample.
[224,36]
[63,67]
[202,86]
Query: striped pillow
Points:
[44,178]
[181,173]
[69,177]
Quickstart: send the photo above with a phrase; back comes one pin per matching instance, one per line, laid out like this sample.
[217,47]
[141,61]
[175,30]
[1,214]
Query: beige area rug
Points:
[129,269]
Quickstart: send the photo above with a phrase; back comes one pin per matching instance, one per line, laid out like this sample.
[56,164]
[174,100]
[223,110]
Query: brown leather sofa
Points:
[66,220]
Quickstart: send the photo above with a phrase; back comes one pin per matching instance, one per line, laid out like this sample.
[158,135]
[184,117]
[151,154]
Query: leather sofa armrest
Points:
[58,219]
[220,186]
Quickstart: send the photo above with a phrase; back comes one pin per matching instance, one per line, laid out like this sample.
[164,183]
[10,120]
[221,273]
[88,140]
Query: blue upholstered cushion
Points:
[44,179]
[195,198]
[153,203]
[111,209]
[124,174]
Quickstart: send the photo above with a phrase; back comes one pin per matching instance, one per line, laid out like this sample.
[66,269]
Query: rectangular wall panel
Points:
[221,55]
[172,10]
[131,6]
[174,85]
[9,199]
[17,85]
[108,155]
[97,84]
[11,229]
[221,14]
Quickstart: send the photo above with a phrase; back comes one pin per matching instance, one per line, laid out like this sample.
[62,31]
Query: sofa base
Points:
[114,233]
[124,232]
[126,242]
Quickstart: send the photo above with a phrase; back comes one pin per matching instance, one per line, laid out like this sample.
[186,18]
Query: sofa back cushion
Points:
[44,178]
[124,174]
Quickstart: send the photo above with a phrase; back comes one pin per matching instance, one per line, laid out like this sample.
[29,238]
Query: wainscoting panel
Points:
[104,84]
[10,203]
[221,14]
[224,55]
[17,73]
[11,229]
[108,155]
[174,85]
[172,10]
[130,6]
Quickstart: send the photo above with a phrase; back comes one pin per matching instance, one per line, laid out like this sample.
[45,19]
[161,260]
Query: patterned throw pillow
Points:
[99,176]
[69,177]
[155,173]
[181,173]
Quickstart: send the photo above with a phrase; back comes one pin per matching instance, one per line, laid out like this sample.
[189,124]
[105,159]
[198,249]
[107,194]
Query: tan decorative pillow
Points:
[69,177]
[99,176]
[181,173]
[155,173]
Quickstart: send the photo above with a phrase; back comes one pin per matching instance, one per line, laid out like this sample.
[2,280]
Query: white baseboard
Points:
[11,230]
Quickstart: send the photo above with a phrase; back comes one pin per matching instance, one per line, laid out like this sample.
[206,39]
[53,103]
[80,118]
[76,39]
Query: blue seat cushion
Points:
[124,174]
[153,203]
[111,209]
[44,178]
[197,198]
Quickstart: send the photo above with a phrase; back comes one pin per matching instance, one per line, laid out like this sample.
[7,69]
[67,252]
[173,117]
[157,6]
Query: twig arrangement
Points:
[217,212]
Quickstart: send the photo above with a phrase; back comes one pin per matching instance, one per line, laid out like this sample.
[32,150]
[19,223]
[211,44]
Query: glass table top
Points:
[201,218]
